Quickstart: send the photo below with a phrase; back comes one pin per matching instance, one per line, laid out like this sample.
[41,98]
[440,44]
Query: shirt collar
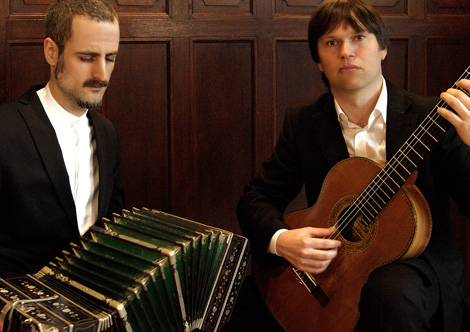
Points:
[380,107]
[56,113]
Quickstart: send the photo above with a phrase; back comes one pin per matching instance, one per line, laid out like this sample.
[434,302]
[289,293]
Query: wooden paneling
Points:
[37,70]
[217,7]
[223,89]
[18,7]
[28,7]
[455,7]
[200,86]
[297,76]
[447,59]
[138,104]
[395,66]
[384,7]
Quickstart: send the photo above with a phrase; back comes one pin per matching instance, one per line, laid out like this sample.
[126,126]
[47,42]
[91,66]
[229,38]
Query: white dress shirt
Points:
[76,140]
[367,141]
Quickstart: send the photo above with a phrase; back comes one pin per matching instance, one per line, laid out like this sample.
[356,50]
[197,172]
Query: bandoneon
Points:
[145,270]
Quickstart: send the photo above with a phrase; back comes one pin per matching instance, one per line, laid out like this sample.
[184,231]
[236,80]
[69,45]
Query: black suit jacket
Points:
[311,143]
[37,211]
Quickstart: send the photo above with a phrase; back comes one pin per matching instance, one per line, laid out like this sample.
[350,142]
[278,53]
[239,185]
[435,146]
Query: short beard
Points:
[59,66]
[90,83]
[88,105]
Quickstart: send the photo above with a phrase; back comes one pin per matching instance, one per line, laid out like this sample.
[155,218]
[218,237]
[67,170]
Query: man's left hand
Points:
[460,103]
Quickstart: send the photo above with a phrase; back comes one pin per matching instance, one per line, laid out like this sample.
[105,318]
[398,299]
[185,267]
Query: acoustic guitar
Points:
[380,217]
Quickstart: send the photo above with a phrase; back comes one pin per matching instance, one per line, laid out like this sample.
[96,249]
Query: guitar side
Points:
[401,230]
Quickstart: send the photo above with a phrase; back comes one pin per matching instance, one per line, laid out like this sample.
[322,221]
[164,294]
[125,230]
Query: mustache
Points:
[96,84]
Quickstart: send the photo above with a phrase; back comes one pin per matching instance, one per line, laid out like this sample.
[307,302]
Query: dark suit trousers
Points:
[401,297]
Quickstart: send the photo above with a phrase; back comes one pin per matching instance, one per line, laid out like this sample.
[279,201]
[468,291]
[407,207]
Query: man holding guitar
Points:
[363,115]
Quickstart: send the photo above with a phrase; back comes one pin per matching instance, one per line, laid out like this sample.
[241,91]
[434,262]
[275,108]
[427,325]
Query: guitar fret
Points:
[367,202]
[392,167]
[443,130]
[389,177]
[361,206]
[421,142]
[392,191]
[404,154]
[367,219]
[367,198]
[388,197]
[414,150]
[427,132]
[380,205]
[371,203]
[371,216]
[383,191]
[403,166]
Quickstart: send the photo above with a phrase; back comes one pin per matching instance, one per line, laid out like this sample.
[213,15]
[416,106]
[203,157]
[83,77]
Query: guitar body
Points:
[401,230]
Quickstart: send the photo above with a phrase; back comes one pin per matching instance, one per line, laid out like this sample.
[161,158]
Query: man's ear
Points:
[320,66]
[384,53]
[51,51]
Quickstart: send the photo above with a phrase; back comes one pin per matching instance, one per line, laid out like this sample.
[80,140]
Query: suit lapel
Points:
[328,132]
[48,148]
[400,124]
[103,160]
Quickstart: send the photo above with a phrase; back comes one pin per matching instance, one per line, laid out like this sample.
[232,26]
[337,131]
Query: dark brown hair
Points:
[59,17]
[356,13]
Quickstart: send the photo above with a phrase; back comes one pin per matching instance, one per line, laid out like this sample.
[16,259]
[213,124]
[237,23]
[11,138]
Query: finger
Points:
[323,238]
[322,232]
[460,93]
[459,100]
[311,265]
[450,116]
[323,244]
[315,265]
[324,255]
[320,255]
[462,114]
[464,84]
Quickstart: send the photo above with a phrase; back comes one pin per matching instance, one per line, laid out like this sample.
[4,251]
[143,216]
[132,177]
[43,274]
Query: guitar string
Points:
[425,133]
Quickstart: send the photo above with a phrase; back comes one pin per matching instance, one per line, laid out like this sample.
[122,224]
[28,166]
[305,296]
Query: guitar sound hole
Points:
[353,229]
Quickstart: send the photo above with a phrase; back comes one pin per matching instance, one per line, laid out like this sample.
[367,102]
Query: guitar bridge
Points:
[312,286]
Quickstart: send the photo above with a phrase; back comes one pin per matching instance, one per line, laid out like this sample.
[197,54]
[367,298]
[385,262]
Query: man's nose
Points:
[347,50]
[99,70]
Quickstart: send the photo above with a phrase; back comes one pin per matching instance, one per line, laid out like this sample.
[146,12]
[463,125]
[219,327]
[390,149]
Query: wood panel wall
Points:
[200,86]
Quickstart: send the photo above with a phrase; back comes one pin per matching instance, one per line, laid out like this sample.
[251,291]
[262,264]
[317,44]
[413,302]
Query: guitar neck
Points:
[407,159]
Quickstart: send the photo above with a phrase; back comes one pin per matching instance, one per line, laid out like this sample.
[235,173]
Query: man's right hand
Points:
[308,249]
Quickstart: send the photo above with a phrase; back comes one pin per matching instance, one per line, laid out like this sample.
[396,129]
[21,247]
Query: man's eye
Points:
[86,59]
[111,58]
[331,43]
